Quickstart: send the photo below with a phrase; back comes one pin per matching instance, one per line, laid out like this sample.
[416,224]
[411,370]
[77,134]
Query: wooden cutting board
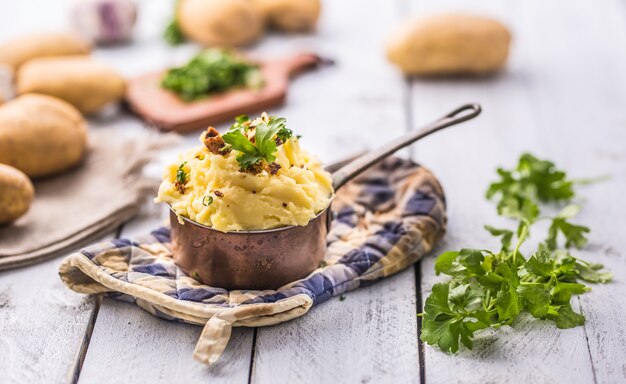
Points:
[166,111]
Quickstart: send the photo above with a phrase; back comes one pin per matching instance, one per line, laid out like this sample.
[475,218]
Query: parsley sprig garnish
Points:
[489,289]
[267,130]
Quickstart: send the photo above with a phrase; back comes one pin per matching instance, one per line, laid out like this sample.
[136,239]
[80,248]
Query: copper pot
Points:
[269,259]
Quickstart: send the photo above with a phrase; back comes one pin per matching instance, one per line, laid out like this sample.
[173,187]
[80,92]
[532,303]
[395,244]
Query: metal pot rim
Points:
[278,229]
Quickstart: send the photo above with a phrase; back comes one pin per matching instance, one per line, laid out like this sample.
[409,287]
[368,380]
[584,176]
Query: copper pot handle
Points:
[360,164]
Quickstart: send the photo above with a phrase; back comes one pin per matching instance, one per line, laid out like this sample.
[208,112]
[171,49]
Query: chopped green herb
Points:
[242,119]
[342,297]
[489,289]
[211,71]
[173,34]
[181,178]
[207,200]
[284,134]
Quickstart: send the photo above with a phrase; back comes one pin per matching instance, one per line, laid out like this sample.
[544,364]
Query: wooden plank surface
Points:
[42,325]
[580,94]
[535,106]
[371,335]
[562,97]
[147,349]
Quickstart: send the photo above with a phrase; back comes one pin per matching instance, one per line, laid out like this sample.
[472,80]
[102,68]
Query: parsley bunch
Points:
[211,71]
[269,131]
[488,289]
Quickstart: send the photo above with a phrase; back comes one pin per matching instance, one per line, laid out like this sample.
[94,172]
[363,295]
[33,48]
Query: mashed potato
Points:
[218,193]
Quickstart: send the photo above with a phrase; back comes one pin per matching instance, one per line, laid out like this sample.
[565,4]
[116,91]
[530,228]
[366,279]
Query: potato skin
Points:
[41,135]
[16,194]
[81,81]
[450,44]
[16,52]
[290,15]
[223,23]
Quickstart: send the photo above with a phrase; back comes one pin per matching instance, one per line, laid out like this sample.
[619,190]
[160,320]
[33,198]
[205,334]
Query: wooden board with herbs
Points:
[561,98]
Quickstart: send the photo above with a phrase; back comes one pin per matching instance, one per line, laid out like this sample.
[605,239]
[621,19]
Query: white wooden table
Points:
[562,97]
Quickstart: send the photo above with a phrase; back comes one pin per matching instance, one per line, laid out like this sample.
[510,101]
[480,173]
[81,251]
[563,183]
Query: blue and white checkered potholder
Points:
[385,220]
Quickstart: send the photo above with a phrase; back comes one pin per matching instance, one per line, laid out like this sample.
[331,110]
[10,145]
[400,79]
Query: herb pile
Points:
[488,289]
[257,140]
[211,71]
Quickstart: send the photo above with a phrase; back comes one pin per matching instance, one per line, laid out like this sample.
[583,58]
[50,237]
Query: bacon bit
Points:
[214,142]
[211,132]
[254,169]
[279,141]
[273,168]
[180,187]
[218,193]
[302,166]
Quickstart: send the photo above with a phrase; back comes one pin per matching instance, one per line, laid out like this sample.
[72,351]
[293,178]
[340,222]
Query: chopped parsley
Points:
[207,200]
[489,289]
[211,71]
[181,178]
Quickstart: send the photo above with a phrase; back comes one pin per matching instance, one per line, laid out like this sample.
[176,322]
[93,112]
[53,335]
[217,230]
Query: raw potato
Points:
[450,44]
[17,51]
[81,81]
[16,194]
[290,15]
[41,135]
[223,23]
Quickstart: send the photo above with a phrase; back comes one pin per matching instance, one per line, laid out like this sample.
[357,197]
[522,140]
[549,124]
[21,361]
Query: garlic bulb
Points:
[105,21]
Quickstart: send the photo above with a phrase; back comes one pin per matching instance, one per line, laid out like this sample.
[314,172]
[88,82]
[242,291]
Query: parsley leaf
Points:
[575,235]
[505,236]
[264,146]
[444,325]
[532,181]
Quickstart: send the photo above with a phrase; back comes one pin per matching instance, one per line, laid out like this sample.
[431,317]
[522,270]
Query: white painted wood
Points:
[371,335]
[130,345]
[519,114]
[563,96]
[580,93]
[42,325]
[147,349]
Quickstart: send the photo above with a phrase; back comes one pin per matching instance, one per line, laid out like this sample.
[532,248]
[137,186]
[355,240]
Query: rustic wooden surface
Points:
[562,97]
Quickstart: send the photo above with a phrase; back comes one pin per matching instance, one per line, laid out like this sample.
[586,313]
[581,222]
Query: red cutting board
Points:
[165,110]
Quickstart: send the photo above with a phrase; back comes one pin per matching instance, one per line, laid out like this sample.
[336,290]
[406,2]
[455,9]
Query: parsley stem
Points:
[591,180]
[520,240]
